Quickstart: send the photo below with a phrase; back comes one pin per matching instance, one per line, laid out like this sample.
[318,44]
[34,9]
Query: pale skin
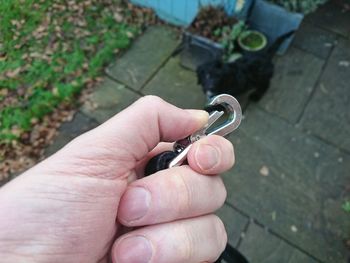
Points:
[89,202]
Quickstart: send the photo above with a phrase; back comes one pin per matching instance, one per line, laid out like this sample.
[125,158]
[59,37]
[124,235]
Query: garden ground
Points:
[50,53]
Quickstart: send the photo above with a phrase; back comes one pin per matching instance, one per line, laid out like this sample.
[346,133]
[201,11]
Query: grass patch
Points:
[49,50]
[346,206]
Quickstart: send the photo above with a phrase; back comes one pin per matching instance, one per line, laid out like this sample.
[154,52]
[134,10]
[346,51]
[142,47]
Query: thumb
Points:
[113,149]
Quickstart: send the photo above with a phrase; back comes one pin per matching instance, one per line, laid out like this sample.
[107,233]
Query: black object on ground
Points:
[253,71]
[231,255]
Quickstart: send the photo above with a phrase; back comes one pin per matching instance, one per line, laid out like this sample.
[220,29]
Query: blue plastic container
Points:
[274,21]
[183,12]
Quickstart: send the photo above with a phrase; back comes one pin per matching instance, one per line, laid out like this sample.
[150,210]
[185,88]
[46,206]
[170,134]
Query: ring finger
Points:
[200,239]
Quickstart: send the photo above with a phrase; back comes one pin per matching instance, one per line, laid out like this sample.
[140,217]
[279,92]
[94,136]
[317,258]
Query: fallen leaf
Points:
[41,28]
[274,215]
[129,34]
[15,23]
[16,131]
[294,228]
[264,171]
[81,23]
[55,91]
[35,55]
[34,121]
[118,17]
[12,74]
[344,63]
[3,92]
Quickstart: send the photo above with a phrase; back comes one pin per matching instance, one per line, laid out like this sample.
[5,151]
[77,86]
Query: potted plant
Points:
[201,39]
[252,41]
[273,21]
[212,35]
[276,17]
[228,36]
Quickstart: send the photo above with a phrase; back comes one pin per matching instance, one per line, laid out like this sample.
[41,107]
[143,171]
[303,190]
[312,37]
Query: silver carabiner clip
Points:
[231,107]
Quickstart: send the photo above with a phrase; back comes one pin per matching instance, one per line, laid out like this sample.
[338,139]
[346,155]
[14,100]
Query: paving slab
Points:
[260,246]
[107,100]
[296,74]
[177,85]
[234,222]
[333,16]
[328,113]
[292,183]
[69,130]
[144,57]
[315,40]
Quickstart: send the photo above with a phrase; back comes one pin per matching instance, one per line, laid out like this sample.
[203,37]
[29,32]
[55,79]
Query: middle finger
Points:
[186,192]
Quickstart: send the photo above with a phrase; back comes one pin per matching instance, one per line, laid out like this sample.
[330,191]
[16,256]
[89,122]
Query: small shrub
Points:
[228,35]
[301,6]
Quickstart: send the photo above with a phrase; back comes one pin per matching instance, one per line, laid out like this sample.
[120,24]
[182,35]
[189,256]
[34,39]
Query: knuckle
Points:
[188,245]
[151,100]
[185,194]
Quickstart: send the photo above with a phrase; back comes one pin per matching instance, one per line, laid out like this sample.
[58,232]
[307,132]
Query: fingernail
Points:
[136,202]
[200,115]
[207,157]
[135,249]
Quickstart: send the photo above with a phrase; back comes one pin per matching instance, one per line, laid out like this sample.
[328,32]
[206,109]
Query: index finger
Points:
[211,155]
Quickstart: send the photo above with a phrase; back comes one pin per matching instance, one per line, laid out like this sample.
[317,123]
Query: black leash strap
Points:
[159,162]
[231,255]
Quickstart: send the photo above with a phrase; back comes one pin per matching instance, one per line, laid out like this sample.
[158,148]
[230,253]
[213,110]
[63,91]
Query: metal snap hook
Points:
[230,106]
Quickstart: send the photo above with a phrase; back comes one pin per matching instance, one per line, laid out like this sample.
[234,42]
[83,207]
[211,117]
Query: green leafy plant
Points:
[228,37]
[302,6]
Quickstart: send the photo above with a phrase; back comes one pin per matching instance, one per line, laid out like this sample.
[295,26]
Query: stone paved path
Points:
[299,134]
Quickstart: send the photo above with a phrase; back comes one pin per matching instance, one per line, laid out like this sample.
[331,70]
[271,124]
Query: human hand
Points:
[74,206]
